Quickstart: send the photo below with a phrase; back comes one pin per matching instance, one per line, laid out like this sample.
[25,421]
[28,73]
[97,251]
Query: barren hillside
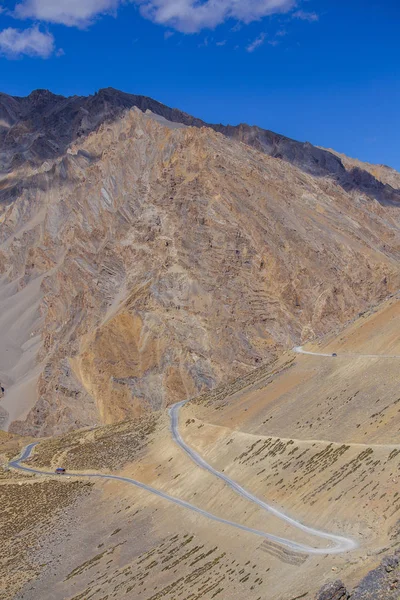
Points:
[340,476]
[148,261]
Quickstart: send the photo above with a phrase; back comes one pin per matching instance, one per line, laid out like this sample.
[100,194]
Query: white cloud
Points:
[305,16]
[256,43]
[30,42]
[190,16]
[186,16]
[78,13]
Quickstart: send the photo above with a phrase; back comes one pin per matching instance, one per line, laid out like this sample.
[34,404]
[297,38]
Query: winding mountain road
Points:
[338,544]
[341,544]
[300,350]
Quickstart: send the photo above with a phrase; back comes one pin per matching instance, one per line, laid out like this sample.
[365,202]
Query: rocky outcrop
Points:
[333,591]
[382,583]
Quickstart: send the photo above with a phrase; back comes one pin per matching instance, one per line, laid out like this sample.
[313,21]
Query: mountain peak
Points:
[42,95]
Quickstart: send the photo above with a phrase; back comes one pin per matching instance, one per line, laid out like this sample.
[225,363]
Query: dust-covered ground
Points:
[313,436]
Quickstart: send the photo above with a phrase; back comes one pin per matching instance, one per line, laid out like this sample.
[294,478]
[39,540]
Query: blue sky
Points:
[326,71]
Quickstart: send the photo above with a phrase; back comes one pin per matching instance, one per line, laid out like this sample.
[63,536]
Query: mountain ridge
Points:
[109,103]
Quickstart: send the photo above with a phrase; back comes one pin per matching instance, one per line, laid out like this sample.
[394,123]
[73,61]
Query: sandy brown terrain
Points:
[361,393]
[340,475]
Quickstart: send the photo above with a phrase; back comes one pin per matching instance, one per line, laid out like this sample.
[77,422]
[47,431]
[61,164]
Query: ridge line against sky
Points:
[313,70]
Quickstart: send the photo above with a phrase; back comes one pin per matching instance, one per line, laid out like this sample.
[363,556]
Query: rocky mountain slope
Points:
[144,260]
[42,125]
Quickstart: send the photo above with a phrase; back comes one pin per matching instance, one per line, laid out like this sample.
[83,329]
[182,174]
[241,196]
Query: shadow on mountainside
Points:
[313,160]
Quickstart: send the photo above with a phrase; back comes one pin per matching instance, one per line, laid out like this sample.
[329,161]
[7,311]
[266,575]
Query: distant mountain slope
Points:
[387,175]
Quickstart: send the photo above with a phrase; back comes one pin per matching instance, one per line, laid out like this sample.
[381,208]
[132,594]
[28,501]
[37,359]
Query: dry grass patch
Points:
[28,511]
[109,447]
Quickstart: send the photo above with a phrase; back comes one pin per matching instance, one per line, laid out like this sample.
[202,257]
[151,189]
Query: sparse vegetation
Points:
[29,509]
[105,448]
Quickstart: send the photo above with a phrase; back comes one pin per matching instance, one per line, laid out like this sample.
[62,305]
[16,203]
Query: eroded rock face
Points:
[162,260]
[381,583]
[333,591]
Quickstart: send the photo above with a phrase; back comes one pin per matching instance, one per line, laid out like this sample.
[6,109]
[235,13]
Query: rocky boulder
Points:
[335,590]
